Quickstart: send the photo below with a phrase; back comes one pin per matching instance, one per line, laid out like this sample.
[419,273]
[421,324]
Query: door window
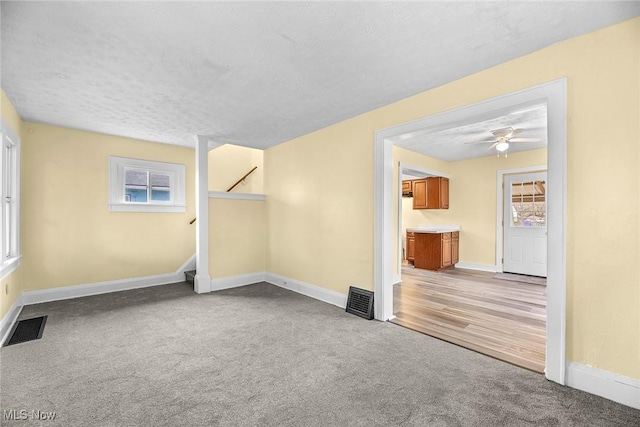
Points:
[528,204]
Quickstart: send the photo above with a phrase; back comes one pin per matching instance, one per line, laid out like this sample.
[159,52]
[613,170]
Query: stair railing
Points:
[233,186]
[242,179]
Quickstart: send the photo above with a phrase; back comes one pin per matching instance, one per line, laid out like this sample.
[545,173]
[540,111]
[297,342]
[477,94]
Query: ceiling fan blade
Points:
[516,131]
[524,139]
[493,145]
[481,142]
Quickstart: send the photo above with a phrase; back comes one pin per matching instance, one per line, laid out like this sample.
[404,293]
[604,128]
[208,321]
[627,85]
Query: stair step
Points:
[190,276]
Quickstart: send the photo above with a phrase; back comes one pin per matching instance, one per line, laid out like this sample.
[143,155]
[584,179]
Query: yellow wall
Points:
[69,237]
[320,188]
[13,280]
[228,163]
[237,237]
[472,205]
[319,207]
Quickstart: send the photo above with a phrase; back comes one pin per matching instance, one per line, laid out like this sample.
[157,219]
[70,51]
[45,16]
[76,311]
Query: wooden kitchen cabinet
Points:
[437,193]
[411,244]
[419,193]
[407,188]
[446,251]
[431,193]
[436,251]
[455,251]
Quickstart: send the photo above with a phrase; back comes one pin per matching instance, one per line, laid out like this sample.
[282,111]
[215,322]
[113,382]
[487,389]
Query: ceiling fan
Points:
[502,138]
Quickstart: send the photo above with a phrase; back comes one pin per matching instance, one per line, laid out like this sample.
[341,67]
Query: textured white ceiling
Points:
[257,74]
[460,142]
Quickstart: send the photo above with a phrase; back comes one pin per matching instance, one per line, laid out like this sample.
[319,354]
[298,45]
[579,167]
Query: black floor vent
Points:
[27,330]
[360,302]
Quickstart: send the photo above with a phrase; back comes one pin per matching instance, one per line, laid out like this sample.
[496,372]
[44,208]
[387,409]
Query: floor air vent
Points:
[360,302]
[27,330]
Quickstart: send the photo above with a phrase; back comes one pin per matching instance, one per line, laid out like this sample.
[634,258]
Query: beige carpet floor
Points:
[264,356]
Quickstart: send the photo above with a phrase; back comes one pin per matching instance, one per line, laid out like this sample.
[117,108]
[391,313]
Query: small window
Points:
[528,204]
[10,202]
[146,186]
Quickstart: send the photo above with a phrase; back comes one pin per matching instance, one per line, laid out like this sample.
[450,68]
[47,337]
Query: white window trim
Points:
[117,203]
[10,264]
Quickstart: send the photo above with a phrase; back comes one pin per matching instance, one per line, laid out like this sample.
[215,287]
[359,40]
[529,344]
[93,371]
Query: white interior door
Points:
[525,224]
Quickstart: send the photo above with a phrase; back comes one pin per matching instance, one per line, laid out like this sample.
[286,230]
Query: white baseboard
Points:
[313,291]
[476,266]
[605,384]
[77,291]
[9,319]
[236,281]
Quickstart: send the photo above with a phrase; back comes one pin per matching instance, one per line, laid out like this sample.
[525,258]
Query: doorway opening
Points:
[499,315]
[554,94]
[522,222]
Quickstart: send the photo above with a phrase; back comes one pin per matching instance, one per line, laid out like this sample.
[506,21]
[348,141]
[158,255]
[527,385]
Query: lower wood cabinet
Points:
[411,246]
[436,251]
[455,248]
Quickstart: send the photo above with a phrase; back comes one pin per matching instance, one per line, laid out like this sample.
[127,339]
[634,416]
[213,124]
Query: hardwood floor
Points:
[499,318]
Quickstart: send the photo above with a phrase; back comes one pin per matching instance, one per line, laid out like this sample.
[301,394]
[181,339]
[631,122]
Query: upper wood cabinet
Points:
[420,194]
[437,193]
[431,193]
[407,188]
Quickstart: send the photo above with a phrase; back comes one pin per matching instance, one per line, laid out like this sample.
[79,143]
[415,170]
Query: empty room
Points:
[288,213]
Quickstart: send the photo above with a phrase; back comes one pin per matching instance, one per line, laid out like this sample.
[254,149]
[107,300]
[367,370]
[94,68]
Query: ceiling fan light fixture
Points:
[502,146]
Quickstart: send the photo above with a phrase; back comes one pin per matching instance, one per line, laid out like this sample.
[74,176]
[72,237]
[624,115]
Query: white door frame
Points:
[555,94]
[500,208]
[532,252]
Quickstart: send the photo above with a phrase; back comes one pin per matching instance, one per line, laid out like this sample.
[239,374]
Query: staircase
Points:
[190,276]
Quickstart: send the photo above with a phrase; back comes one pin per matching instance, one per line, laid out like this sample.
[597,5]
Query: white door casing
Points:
[524,224]
[555,93]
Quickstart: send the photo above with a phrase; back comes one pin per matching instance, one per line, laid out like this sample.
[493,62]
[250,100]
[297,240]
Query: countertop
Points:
[435,229]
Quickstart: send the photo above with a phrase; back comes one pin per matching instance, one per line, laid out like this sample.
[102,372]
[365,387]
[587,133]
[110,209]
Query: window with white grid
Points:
[137,185]
[10,188]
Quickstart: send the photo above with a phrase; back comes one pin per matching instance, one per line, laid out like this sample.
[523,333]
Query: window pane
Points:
[528,204]
[135,186]
[135,177]
[7,229]
[135,195]
[7,164]
[160,187]
[7,197]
